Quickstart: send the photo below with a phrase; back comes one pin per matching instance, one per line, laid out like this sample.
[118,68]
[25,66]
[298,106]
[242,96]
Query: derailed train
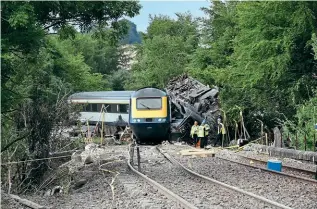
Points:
[150,115]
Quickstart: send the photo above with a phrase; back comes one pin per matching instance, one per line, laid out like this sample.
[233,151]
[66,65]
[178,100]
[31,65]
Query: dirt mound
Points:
[81,183]
[84,166]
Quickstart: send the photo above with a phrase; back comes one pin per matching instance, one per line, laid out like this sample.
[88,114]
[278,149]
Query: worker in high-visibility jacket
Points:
[220,131]
[194,132]
[207,129]
[202,134]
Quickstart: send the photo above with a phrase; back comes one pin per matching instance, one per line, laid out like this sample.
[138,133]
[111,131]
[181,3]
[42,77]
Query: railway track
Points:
[262,168]
[198,191]
[168,193]
[296,172]
[288,171]
[284,189]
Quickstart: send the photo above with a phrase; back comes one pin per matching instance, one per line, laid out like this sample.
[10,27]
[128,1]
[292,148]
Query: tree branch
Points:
[52,25]
[27,202]
[14,141]
[8,111]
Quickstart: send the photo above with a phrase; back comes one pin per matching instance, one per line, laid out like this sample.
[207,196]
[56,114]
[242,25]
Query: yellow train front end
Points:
[150,115]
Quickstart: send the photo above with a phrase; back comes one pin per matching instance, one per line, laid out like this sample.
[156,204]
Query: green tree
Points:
[165,51]
[119,79]
[39,70]
[305,118]
[261,59]
[100,54]
[219,29]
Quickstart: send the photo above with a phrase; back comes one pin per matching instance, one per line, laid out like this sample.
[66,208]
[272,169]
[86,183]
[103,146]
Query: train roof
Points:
[149,92]
[101,95]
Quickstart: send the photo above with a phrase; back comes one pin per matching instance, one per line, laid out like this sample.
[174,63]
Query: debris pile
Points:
[192,101]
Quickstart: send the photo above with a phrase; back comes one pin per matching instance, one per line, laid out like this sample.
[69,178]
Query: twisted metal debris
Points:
[192,101]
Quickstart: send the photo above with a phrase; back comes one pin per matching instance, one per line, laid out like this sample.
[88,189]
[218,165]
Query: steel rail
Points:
[263,199]
[275,172]
[284,166]
[164,191]
[271,171]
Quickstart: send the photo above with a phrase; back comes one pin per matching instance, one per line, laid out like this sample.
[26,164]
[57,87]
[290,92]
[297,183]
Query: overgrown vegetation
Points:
[262,55]
[43,60]
[165,51]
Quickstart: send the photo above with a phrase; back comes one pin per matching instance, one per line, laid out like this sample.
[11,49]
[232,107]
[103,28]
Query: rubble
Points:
[192,101]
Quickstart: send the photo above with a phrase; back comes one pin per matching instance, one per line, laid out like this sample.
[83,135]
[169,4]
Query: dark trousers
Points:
[203,142]
[218,139]
[195,137]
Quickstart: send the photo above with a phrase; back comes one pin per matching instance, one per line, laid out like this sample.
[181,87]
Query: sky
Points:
[168,8]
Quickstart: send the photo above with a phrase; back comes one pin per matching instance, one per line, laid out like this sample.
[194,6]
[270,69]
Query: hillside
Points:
[133,35]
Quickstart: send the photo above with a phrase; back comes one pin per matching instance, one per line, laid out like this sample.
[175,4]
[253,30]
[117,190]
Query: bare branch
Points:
[54,24]
[27,202]
[14,141]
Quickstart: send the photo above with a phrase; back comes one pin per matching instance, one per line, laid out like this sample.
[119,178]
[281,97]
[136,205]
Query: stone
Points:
[76,157]
[232,143]
[48,193]
[57,189]
[80,183]
[91,146]
[277,138]
[300,155]
[88,160]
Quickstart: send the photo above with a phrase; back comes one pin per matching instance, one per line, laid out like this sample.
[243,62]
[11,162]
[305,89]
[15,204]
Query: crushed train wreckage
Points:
[191,101]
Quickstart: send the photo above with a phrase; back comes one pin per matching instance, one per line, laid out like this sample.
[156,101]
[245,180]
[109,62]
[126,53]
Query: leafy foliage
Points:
[119,79]
[258,53]
[261,59]
[39,69]
[165,50]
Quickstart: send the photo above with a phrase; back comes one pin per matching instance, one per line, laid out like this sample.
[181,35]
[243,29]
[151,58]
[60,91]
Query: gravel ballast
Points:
[199,192]
[288,170]
[285,190]
[130,191]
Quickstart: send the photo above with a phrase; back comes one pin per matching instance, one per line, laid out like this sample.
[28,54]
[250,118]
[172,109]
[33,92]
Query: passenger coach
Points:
[116,105]
[150,115]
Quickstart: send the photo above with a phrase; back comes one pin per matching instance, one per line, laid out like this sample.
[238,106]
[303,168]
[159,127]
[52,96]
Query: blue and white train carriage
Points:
[116,105]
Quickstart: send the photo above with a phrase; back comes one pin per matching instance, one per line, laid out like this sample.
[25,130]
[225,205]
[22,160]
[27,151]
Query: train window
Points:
[99,107]
[149,103]
[123,108]
[111,108]
[114,108]
[87,108]
[83,107]
[94,108]
[107,107]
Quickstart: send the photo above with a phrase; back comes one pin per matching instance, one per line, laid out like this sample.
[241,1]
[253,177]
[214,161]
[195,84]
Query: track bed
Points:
[201,193]
[291,192]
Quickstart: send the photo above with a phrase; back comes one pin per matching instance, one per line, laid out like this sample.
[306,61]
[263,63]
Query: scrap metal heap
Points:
[192,101]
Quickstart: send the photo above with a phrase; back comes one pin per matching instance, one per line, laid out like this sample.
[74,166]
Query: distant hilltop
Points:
[129,52]
[133,36]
